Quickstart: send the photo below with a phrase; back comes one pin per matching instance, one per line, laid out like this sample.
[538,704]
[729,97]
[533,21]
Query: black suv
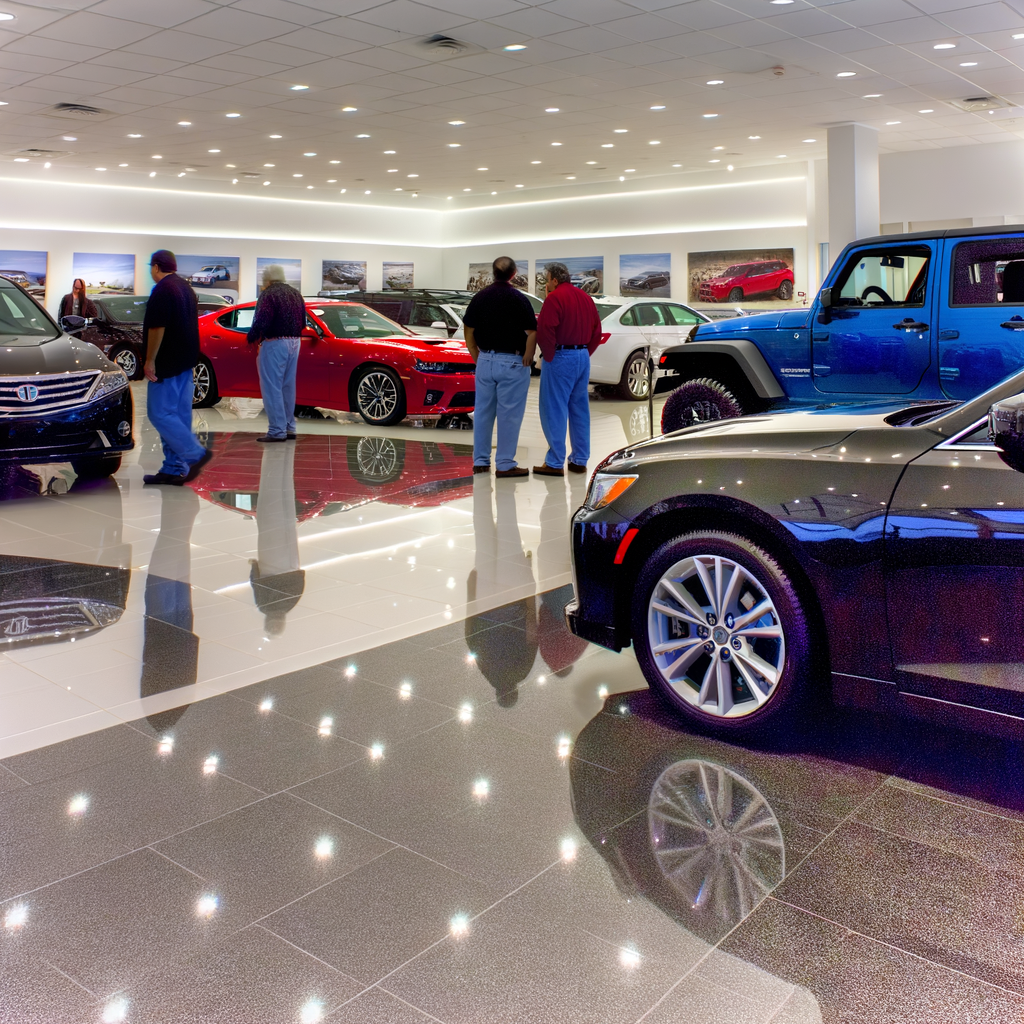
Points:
[61,399]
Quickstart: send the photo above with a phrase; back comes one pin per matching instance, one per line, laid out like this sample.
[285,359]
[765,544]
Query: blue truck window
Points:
[988,273]
[889,277]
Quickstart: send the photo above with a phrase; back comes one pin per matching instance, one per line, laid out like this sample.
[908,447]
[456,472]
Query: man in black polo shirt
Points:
[171,332]
[501,330]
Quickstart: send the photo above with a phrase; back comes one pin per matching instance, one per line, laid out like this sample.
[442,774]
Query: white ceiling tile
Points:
[30,62]
[408,16]
[235,68]
[990,18]
[702,14]
[29,18]
[539,74]
[159,15]
[913,30]
[478,8]
[642,27]
[851,40]
[485,64]
[537,23]
[588,40]
[92,72]
[638,55]
[382,58]
[54,48]
[173,44]
[284,10]
[590,12]
[325,43]
[362,31]
[278,53]
[237,26]
[865,13]
[137,62]
[749,33]
[97,30]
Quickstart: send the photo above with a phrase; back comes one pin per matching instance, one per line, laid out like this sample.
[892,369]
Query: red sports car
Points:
[352,358]
[745,280]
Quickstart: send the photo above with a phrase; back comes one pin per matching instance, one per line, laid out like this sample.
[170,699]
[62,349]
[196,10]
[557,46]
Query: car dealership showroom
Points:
[692,694]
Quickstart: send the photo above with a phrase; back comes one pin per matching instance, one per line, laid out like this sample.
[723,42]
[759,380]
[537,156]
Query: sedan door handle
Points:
[215,337]
[910,324]
[1015,323]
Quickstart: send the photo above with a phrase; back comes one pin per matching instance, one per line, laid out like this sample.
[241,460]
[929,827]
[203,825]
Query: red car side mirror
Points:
[308,334]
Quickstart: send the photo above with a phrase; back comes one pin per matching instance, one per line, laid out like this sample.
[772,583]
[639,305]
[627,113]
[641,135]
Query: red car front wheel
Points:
[380,396]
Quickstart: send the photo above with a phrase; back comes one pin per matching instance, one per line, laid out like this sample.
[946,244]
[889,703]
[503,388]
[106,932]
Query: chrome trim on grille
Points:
[56,391]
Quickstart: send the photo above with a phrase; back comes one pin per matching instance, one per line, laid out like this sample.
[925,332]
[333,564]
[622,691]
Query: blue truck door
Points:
[877,337]
[981,314]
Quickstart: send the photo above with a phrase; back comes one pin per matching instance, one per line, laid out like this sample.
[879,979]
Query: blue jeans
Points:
[278,360]
[502,384]
[563,397]
[169,408]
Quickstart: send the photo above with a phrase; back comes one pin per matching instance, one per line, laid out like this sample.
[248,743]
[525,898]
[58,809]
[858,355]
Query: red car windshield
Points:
[357,322]
[740,270]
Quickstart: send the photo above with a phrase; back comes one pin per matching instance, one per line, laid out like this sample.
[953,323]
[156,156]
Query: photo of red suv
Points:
[352,359]
[748,280]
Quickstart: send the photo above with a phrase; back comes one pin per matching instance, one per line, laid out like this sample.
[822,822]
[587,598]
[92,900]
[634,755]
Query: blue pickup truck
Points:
[935,316]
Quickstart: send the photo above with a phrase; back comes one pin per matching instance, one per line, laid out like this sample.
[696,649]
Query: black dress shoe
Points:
[481,469]
[194,469]
[290,436]
[163,478]
[267,439]
[576,468]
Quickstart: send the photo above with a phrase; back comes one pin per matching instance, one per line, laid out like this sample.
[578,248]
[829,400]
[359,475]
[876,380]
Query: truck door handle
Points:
[908,323]
[949,335]
[1015,323]
[820,337]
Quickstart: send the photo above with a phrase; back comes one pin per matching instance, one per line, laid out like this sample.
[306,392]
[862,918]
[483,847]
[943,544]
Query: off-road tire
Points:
[699,401]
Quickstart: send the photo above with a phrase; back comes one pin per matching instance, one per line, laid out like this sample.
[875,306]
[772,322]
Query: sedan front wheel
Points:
[380,397]
[721,632]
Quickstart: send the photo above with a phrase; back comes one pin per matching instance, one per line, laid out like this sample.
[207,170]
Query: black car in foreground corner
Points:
[61,399]
[748,560]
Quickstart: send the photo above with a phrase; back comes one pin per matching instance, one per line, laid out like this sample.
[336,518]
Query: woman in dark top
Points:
[76,302]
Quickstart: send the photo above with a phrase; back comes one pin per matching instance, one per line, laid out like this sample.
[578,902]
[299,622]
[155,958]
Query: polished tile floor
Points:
[463,816]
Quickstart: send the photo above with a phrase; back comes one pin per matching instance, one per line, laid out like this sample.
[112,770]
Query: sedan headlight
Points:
[606,487]
[429,367]
[112,380]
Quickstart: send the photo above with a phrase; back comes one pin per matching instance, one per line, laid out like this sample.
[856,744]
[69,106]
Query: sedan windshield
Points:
[126,309]
[19,315]
[605,309]
[357,322]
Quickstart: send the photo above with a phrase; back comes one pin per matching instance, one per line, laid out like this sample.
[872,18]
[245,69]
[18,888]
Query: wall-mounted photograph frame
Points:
[105,273]
[587,273]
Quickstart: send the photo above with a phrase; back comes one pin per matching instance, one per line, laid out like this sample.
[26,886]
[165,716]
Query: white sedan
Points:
[633,326]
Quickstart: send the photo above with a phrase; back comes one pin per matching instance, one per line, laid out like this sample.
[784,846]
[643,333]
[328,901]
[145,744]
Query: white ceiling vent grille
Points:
[79,112]
[975,104]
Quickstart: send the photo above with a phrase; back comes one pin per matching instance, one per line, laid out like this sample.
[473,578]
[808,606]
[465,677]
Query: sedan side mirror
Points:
[439,325]
[1006,430]
[308,334]
[71,324]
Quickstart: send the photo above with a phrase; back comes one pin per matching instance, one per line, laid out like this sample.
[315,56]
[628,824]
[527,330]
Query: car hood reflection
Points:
[334,474]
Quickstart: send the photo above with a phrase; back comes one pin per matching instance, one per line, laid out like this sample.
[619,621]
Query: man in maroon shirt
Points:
[568,331]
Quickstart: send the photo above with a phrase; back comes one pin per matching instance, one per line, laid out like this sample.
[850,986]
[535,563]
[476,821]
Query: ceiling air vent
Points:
[251,174]
[79,111]
[438,47]
[974,104]
[44,154]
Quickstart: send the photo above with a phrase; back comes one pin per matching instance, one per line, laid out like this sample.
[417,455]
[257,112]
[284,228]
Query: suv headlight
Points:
[429,367]
[112,380]
[606,487]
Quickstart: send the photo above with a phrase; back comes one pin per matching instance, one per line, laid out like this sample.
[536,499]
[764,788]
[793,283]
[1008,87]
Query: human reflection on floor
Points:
[170,650]
[276,579]
[502,562]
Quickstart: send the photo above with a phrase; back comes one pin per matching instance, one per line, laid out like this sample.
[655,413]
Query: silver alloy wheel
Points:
[377,457]
[200,383]
[716,636]
[377,395]
[638,376]
[715,839]
[128,361]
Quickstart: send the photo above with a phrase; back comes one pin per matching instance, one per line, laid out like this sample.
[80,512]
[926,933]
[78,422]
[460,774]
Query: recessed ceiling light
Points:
[332,181]
[620,131]
[781,156]
[483,168]
[275,136]
[591,162]
[552,110]
[230,165]
[309,154]
[969,64]
[467,190]
[780,3]
[296,175]
[454,145]
[534,161]
[234,181]
[348,110]
[517,186]
[367,192]
[152,174]
[391,152]
[715,161]
[555,143]
[716,81]
[944,46]
[392,170]
[894,122]
[677,165]
[658,106]
[927,110]
[4,16]
[810,140]
[412,175]
[363,136]
[630,170]
[456,123]
[122,165]
[607,145]
[753,136]
[655,142]
[157,156]
[232,115]
[3,103]
[70,138]
[846,74]
[334,161]
[399,189]
[21,159]
[494,193]
[266,183]
[213,151]
[299,88]
[621,178]
[729,167]
[344,190]
[184,124]
[135,135]
[1018,35]
[181,174]
[718,147]
[872,96]
[710,115]
[515,46]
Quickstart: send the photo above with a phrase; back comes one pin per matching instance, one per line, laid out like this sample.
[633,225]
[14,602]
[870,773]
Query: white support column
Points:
[853,201]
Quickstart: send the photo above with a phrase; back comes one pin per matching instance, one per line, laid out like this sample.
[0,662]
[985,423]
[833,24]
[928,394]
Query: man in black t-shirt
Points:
[501,330]
[170,329]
